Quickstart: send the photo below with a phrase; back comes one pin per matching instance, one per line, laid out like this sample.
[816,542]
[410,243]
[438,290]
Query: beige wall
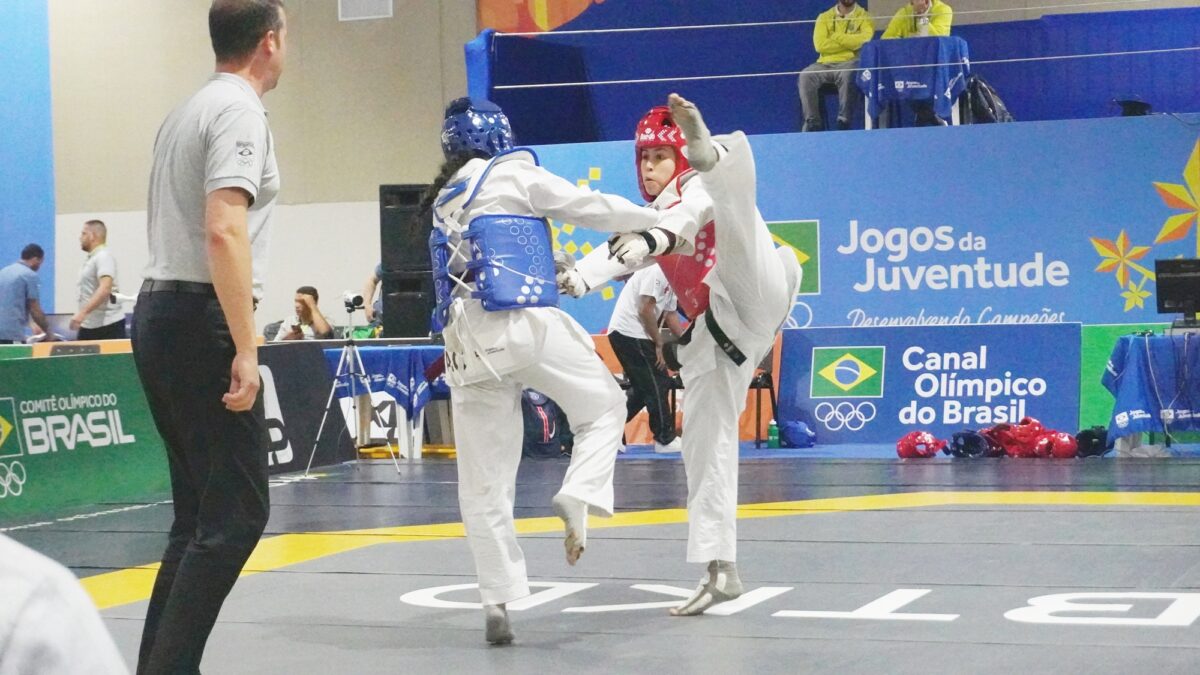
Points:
[359,104]
[309,246]
[990,11]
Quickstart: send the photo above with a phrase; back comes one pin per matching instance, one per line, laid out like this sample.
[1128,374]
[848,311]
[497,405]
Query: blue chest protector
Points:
[508,257]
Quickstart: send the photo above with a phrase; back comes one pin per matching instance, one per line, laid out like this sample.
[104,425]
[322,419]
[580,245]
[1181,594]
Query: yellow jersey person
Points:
[838,36]
[921,18]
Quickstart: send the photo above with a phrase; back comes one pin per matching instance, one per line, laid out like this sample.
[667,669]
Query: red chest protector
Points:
[686,272]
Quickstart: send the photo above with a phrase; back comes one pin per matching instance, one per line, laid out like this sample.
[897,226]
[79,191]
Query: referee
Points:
[212,188]
[100,316]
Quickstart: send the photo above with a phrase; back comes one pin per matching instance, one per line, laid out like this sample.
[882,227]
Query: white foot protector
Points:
[574,516]
[721,584]
[700,151]
[498,629]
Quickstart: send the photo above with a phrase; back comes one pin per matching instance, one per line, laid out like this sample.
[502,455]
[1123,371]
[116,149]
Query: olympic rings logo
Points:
[792,322]
[845,415]
[12,479]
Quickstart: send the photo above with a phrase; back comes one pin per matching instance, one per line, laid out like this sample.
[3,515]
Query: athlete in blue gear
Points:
[504,333]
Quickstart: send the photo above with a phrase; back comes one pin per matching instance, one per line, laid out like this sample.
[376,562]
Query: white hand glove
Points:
[563,261]
[633,247]
[629,248]
[571,282]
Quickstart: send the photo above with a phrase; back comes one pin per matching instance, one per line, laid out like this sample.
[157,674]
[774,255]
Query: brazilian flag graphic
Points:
[847,372]
[10,438]
[802,236]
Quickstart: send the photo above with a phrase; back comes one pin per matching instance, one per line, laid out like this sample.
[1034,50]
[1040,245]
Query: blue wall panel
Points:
[26,144]
[1034,90]
[1085,88]
[763,105]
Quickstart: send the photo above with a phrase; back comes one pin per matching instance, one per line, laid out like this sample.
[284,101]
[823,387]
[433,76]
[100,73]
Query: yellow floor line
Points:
[122,587]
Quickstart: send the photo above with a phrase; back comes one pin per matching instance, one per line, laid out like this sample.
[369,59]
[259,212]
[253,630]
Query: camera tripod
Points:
[350,366]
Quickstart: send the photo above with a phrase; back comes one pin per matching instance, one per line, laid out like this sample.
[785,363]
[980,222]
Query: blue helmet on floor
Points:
[796,434]
[970,443]
[475,126]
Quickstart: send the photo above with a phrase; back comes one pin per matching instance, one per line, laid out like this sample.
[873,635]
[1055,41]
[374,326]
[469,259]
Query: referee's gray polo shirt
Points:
[218,138]
[99,264]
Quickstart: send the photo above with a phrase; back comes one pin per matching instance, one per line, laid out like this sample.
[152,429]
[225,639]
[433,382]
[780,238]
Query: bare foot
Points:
[574,516]
[700,151]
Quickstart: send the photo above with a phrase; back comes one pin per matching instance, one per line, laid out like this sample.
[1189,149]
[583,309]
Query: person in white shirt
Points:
[100,315]
[308,323]
[645,306]
[48,624]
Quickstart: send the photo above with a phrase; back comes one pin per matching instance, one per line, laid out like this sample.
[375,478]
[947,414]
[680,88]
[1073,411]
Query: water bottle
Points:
[773,435]
[923,26]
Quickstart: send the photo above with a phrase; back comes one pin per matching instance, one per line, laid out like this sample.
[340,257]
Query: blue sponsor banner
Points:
[873,385]
[1005,223]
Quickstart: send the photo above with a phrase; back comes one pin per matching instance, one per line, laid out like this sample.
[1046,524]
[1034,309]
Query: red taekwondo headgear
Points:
[1057,444]
[657,128]
[918,444]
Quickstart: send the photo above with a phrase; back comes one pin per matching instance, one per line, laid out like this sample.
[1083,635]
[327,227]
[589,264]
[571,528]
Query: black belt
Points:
[670,354]
[722,339]
[170,286]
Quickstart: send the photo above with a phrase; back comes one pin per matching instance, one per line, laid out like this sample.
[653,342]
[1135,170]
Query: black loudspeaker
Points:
[408,303]
[403,239]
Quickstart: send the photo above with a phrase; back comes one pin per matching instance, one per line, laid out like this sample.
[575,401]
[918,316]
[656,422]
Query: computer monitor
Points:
[1177,281]
[60,324]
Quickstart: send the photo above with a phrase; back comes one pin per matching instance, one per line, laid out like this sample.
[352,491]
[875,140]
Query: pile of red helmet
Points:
[1028,438]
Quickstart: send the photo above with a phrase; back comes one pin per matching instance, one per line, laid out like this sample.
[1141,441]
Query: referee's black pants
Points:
[649,386]
[218,464]
[113,331]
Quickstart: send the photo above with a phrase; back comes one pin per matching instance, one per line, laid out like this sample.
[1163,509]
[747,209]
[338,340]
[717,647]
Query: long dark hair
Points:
[450,167]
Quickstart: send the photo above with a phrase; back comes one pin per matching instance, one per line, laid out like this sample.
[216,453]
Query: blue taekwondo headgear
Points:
[475,125]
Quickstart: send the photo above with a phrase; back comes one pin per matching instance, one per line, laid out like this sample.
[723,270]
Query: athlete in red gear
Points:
[738,290]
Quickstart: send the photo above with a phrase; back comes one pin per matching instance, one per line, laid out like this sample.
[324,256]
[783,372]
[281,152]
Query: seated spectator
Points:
[921,18]
[307,323]
[838,36]
[48,624]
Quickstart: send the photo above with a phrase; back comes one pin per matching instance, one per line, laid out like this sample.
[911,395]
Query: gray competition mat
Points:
[973,587]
